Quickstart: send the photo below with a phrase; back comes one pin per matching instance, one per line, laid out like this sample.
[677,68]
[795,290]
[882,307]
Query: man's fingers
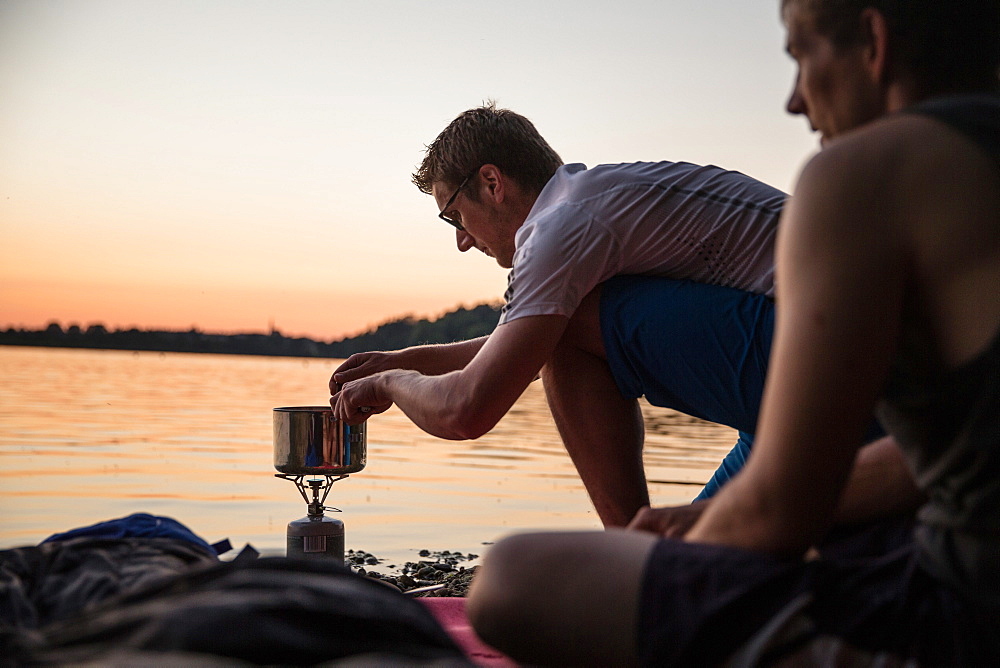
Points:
[667,522]
[351,362]
[641,520]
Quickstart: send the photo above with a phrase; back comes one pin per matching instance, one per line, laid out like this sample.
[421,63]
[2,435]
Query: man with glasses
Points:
[629,280]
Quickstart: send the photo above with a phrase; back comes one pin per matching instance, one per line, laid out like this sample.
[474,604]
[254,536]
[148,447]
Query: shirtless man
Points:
[888,266]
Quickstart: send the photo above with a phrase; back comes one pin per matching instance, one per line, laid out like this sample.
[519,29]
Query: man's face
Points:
[481,222]
[834,87]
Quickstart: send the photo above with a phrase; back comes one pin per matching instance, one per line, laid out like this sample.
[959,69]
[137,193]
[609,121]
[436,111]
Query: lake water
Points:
[89,435]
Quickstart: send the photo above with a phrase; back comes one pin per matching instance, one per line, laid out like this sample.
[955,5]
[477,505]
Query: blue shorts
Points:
[730,466]
[696,348]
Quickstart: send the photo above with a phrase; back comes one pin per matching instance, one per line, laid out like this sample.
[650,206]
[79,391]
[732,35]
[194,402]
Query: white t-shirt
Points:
[670,219]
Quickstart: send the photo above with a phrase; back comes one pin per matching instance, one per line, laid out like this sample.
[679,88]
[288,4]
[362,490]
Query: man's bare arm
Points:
[466,403]
[880,486]
[430,360]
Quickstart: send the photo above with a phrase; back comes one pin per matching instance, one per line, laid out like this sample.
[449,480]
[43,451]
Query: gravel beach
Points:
[442,573]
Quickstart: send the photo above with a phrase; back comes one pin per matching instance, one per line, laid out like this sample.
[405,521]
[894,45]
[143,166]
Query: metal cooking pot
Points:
[308,440]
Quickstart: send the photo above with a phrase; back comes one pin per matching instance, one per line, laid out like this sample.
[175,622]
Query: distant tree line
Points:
[457,325]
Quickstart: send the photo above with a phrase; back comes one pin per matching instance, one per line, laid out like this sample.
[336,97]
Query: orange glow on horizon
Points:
[321,315]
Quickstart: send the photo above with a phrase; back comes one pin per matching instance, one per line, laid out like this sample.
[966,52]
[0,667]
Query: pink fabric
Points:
[450,613]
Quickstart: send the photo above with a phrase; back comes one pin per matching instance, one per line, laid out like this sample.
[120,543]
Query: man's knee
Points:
[563,597]
[502,592]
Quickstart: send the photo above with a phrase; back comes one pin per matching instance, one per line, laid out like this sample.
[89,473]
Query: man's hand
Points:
[360,365]
[668,522]
[358,400]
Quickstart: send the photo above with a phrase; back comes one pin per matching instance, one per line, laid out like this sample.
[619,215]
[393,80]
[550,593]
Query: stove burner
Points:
[315,535]
[314,507]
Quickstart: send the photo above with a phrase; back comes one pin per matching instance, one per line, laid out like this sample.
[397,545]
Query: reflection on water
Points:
[91,435]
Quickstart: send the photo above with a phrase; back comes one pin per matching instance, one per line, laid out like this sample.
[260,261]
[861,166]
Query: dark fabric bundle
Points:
[170,601]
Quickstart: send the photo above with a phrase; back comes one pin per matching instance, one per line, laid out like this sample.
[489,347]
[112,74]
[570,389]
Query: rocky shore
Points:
[434,574]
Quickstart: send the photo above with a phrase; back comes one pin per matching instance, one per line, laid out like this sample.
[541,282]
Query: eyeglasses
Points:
[444,212]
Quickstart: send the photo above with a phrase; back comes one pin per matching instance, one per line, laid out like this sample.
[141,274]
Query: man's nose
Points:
[464,240]
[795,104]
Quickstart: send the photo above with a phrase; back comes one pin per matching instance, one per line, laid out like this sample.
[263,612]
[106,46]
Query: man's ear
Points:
[494,182]
[875,32]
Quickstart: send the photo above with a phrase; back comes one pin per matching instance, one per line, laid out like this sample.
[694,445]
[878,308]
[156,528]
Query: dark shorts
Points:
[866,599]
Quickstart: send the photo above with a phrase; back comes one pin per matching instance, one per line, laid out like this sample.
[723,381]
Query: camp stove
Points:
[314,449]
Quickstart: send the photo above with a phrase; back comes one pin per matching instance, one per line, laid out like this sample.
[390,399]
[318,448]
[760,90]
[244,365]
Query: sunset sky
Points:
[228,164]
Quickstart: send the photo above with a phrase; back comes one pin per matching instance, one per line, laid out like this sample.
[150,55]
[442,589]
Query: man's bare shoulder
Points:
[904,162]
[910,194]
[883,144]
[849,183]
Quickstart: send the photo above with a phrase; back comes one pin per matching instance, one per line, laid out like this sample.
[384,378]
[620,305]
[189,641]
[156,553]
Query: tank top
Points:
[947,421]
